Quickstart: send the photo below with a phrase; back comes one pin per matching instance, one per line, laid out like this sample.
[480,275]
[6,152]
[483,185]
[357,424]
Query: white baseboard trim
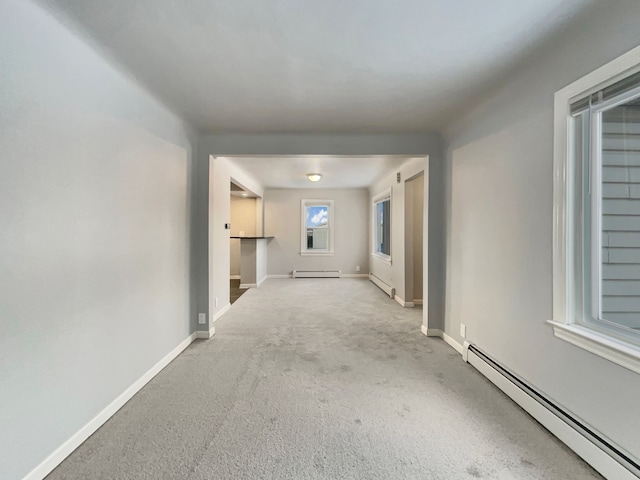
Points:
[224,310]
[590,452]
[355,275]
[206,334]
[279,276]
[417,301]
[431,332]
[234,277]
[64,450]
[248,285]
[434,332]
[451,341]
[403,303]
[260,282]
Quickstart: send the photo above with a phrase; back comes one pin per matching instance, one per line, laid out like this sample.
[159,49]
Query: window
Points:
[382,225]
[597,212]
[317,227]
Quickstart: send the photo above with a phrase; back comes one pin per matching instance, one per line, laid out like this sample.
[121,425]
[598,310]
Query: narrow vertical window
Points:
[382,225]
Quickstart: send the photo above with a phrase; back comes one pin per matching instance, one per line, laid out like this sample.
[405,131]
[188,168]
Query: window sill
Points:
[316,254]
[381,258]
[617,351]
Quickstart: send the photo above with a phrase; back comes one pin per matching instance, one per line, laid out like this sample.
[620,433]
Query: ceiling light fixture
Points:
[314,177]
[244,194]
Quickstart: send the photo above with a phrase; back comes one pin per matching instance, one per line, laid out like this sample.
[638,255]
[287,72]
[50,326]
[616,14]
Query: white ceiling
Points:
[317,65]
[337,171]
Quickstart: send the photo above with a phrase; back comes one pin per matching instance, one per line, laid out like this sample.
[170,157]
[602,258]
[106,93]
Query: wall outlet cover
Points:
[202,318]
[357,268]
[463,330]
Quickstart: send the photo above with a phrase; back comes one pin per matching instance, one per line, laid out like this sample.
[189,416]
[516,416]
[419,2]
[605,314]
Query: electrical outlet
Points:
[215,302]
[463,330]
[357,268]
[202,318]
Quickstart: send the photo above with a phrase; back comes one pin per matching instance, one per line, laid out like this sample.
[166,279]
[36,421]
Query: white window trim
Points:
[564,322]
[303,227]
[375,200]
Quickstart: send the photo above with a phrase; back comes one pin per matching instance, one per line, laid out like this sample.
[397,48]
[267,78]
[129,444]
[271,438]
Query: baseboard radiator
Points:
[317,274]
[388,289]
[609,459]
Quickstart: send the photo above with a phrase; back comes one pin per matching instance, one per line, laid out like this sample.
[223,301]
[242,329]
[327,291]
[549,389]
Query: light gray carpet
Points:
[321,379]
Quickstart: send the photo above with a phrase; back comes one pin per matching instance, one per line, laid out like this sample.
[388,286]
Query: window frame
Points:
[304,251]
[568,280]
[375,200]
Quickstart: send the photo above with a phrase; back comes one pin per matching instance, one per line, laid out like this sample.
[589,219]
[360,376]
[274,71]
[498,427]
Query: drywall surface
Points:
[320,144]
[222,171]
[282,220]
[243,220]
[430,144]
[94,207]
[248,262]
[499,239]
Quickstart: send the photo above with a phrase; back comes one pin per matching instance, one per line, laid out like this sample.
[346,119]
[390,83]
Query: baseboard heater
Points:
[600,452]
[388,289]
[316,274]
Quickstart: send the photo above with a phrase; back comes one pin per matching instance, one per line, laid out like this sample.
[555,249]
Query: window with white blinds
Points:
[607,137]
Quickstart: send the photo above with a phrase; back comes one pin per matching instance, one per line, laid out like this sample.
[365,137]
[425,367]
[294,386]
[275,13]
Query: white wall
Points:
[243,219]
[94,208]
[222,171]
[248,262]
[394,274]
[261,260]
[499,240]
[351,220]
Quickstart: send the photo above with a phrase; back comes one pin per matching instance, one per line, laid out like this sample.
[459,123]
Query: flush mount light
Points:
[314,177]
[244,194]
